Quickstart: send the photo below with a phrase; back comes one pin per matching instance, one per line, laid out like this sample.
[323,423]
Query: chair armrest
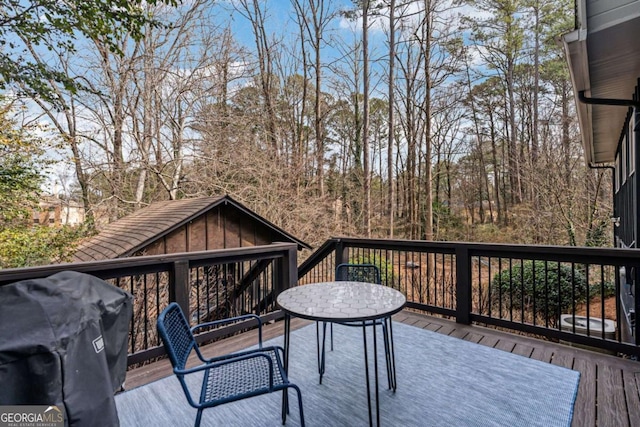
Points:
[232,320]
[277,348]
[216,359]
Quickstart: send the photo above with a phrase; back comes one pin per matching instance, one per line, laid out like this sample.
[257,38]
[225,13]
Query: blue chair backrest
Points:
[176,335]
[358,273]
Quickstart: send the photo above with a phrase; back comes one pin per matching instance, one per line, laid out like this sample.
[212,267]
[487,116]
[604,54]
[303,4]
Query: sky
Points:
[281,25]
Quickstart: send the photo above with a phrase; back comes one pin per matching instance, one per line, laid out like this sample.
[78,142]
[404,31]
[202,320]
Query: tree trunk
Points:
[390,176]
[365,119]
[427,27]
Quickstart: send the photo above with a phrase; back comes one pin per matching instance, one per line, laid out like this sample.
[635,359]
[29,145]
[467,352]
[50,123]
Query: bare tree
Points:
[365,118]
[315,16]
[256,13]
[65,120]
[391,118]
[500,38]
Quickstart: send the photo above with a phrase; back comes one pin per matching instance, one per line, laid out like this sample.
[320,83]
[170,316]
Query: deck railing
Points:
[557,293]
[543,290]
[207,285]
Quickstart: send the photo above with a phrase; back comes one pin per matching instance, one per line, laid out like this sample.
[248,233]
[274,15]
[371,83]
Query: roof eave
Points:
[575,48]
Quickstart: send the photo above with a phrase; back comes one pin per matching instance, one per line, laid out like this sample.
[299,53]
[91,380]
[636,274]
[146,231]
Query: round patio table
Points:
[346,302]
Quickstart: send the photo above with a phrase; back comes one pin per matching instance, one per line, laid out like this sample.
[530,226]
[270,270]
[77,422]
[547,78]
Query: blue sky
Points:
[280,19]
[340,36]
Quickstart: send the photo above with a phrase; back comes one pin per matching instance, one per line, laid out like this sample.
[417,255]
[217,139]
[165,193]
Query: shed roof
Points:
[127,235]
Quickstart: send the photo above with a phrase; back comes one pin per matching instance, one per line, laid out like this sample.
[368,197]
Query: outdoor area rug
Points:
[442,381]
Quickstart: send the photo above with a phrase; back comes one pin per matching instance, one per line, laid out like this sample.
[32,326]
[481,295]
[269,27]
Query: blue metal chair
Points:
[360,273]
[226,378]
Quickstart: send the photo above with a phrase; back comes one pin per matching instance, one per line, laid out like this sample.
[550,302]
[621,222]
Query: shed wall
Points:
[222,227]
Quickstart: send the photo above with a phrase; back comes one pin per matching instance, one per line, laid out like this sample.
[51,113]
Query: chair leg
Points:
[297,389]
[300,406]
[198,418]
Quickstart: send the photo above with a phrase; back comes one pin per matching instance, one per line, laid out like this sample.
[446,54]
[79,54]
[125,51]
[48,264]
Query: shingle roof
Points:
[127,235]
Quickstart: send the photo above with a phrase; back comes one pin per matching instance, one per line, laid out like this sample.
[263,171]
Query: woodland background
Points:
[427,119]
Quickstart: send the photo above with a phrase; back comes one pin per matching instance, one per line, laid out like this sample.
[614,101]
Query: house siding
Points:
[626,198]
[625,208]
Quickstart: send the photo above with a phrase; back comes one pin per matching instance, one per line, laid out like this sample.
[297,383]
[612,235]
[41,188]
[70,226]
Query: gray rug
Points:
[442,381]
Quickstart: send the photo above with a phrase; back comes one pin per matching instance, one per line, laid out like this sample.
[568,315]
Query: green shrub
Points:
[40,245]
[595,290]
[554,287]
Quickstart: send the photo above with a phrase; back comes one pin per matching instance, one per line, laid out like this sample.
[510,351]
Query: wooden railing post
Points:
[463,285]
[179,285]
[342,253]
[286,270]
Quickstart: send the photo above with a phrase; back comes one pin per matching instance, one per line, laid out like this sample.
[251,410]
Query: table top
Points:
[341,301]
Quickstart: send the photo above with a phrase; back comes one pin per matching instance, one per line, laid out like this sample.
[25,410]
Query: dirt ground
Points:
[595,308]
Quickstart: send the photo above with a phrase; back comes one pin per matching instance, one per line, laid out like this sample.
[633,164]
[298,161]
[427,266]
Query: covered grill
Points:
[63,341]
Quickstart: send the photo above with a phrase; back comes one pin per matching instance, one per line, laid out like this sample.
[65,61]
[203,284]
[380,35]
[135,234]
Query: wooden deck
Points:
[608,395]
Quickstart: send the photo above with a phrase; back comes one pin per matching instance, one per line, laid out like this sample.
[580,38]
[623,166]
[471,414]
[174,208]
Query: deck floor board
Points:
[585,408]
[631,385]
[613,411]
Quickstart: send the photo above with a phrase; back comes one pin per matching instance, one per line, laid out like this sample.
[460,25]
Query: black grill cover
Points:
[63,341]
